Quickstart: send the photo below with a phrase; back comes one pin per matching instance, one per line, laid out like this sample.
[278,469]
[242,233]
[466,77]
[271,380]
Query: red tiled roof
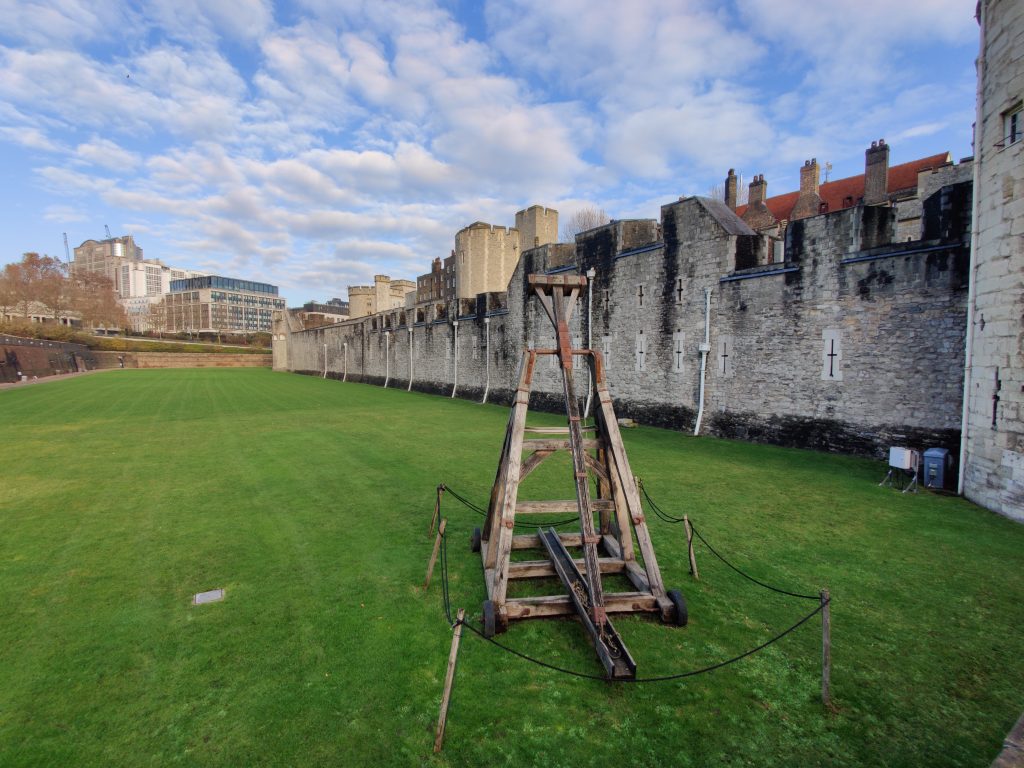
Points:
[835,193]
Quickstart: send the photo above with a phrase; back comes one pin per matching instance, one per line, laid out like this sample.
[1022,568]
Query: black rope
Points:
[586,676]
[444,580]
[665,516]
[670,519]
[748,576]
[660,678]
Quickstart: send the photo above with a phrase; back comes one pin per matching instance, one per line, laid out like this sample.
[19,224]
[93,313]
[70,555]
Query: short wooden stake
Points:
[689,547]
[826,649]
[449,678]
[437,509]
[433,555]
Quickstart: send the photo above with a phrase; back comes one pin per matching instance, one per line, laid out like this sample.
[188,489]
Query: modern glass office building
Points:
[220,304]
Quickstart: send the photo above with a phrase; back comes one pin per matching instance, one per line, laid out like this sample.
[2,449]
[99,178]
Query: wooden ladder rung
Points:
[559,445]
[533,569]
[560,506]
[561,605]
[557,430]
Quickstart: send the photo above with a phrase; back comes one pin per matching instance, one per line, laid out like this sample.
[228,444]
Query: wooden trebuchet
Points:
[612,533]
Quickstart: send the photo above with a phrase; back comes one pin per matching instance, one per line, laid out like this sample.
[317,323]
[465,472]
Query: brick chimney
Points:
[758,190]
[876,173]
[808,203]
[730,189]
[757,216]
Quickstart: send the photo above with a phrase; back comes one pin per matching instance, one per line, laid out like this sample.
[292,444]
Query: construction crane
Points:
[109,236]
[67,251]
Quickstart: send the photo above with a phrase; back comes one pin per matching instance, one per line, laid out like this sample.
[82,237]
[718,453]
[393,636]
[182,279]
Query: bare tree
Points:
[717,191]
[581,221]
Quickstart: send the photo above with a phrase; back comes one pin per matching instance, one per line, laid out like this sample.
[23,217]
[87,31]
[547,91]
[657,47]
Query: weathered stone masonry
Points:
[852,343]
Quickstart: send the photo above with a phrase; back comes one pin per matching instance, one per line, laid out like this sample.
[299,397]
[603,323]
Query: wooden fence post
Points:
[689,547]
[433,555]
[437,509]
[449,678]
[826,649]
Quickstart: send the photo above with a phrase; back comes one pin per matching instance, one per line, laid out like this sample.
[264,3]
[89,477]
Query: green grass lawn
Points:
[308,500]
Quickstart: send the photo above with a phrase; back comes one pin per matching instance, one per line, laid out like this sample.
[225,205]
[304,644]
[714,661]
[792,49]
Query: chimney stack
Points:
[730,189]
[758,191]
[876,173]
[809,177]
[808,203]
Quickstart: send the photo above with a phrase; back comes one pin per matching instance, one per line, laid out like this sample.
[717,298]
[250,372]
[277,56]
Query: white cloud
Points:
[106,154]
[29,137]
[62,214]
[62,21]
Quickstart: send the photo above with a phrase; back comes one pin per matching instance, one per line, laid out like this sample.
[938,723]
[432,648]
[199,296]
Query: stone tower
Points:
[537,226]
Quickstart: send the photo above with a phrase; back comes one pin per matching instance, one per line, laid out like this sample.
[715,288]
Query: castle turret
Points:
[537,226]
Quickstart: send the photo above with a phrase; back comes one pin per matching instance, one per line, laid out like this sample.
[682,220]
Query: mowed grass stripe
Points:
[126,492]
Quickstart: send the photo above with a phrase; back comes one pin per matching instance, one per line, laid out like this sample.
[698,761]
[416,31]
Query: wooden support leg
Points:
[437,509]
[826,649]
[449,679]
[689,548]
[433,555]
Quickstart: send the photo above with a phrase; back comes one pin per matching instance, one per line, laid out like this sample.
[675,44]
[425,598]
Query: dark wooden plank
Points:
[561,605]
[533,461]
[433,555]
[559,506]
[558,445]
[533,569]
[449,679]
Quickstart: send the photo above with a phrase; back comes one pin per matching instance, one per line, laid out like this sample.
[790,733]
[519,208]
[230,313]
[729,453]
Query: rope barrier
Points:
[584,675]
[671,519]
[823,603]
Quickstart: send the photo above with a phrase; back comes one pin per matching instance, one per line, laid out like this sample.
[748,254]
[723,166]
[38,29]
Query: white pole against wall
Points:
[487,358]
[409,388]
[455,374]
[344,376]
[387,357]
[591,274]
[325,361]
[705,348]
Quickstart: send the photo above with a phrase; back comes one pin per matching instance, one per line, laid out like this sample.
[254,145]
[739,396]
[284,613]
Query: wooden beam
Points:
[449,680]
[556,430]
[532,540]
[558,445]
[561,605]
[826,649]
[433,555]
[535,460]
[559,506]
[534,569]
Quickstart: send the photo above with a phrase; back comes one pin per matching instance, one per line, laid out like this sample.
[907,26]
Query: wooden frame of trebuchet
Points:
[609,543]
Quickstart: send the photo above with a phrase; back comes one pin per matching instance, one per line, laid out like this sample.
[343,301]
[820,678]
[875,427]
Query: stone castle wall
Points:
[851,344]
[995,400]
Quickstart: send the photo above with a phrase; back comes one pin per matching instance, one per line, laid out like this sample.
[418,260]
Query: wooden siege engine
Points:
[612,528]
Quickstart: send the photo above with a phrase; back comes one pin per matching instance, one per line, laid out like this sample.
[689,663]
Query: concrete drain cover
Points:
[213,596]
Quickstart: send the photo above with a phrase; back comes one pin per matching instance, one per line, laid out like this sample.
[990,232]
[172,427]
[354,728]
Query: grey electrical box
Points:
[936,464]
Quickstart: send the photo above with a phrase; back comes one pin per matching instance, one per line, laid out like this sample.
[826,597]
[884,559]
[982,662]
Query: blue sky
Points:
[314,144]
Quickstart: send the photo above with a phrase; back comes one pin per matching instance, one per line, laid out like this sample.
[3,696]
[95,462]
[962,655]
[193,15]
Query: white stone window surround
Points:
[1013,124]
[831,354]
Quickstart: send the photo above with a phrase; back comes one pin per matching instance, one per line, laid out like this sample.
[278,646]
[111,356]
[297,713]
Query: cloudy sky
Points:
[315,143]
